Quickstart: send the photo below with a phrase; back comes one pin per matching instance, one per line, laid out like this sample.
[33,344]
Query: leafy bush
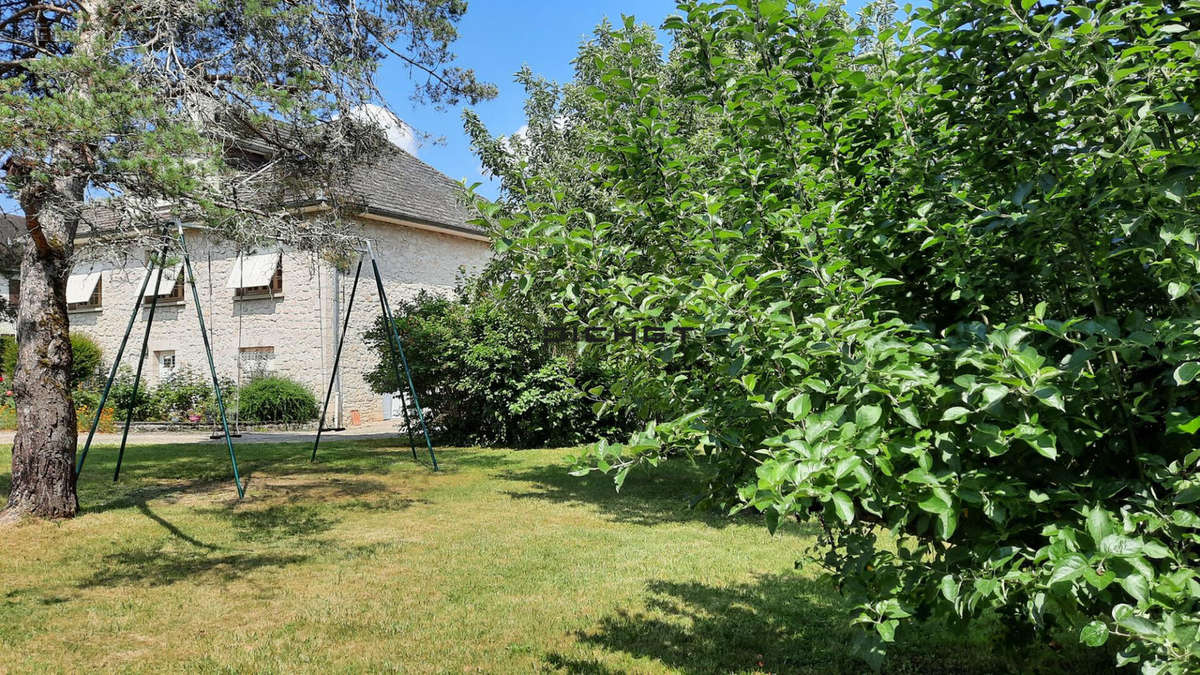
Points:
[8,355]
[277,399]
[938,277]
[181,396]
[485,374]
[86,369]
[119,397]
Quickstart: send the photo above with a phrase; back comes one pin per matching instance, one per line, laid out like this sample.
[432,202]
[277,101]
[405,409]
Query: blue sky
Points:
[496,38]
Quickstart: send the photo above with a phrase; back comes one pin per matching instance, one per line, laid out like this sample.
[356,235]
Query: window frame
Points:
[271,290]
[96,301]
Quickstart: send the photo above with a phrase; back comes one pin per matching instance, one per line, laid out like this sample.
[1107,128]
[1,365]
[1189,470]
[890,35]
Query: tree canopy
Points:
[119,117]
[935,275]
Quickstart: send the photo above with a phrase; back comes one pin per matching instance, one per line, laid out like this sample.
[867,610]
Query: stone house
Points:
[280,311]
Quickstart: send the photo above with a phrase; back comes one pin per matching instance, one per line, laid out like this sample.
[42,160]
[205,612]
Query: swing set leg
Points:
[137,378]
[112,376]
[336,359]
[212,366]
[399,360]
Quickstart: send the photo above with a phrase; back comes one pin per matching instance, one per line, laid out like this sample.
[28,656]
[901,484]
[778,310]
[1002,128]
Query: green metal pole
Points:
[337,359]
[404,361]
[212,366]
[112,374]
[137,377]
[387,317]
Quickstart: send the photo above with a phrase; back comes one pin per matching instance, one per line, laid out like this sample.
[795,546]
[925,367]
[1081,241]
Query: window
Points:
[256,276]
[93,301]
[173,295]
[273,288]
[255,362]
[84,290]
[166,364]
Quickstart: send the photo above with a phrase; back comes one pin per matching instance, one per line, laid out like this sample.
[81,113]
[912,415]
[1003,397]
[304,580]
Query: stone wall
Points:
[299,323]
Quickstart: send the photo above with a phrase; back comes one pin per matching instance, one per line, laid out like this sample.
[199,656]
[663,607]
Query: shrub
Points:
[86,369]
[181,396]
[939,278]
[8,355]
[485,374]
[122,393]
[277,399]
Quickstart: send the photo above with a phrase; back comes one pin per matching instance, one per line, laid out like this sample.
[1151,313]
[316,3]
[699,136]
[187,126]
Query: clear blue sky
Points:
[496,38]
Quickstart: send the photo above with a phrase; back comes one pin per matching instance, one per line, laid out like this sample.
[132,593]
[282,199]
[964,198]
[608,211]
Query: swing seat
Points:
[324,429]
[213,437]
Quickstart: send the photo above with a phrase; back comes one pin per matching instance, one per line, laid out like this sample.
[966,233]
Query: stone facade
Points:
[292,333]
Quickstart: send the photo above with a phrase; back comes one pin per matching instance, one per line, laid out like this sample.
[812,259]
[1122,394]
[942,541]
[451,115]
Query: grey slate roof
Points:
[399,185]
[395,185]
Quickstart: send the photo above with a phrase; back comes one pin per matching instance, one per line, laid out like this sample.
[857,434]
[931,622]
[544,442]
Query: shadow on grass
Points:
[662,495]
[174,471]
[153,566]
[788,624]
[171,528]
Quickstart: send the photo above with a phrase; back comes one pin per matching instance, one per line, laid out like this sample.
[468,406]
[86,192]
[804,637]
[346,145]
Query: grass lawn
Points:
[369,561]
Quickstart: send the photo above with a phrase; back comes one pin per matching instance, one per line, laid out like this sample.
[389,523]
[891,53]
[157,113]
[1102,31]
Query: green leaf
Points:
[1186,372]
[1051,396]
[947,523]
[1094,634]
[867,416]
[1068,568]
[909,415]
[887,629]
[1120,546]
[949,587]
[1136,586]
[938,502]
[955,413]
[772,516]
[799,406]
[1028,360]
[1177,290]
[844,506]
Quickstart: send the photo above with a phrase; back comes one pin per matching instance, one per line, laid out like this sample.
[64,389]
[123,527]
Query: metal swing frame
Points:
[160,263]
[156,268]
[398,360]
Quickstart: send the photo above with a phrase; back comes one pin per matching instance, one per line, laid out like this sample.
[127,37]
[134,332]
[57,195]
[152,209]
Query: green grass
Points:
[368,561]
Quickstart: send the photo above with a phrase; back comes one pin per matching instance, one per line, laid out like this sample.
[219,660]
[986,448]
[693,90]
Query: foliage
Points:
[183,396]
[277,399]
[937,276]
[485,373]
[86,367]
[122,394]
[8,355]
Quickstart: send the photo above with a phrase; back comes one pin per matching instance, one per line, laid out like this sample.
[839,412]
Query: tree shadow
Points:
[646,498]
[153,566]
[789,624]
[284,521]
[170,527]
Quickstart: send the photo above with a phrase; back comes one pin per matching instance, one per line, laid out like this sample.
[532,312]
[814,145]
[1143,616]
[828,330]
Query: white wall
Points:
[298,324]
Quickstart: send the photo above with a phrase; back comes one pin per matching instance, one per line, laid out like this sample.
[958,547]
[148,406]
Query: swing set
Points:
[156,267]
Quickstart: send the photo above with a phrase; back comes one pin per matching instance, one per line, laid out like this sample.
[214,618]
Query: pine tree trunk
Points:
[43,459]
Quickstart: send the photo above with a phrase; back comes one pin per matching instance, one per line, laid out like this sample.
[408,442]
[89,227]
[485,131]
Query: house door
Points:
[393,406]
